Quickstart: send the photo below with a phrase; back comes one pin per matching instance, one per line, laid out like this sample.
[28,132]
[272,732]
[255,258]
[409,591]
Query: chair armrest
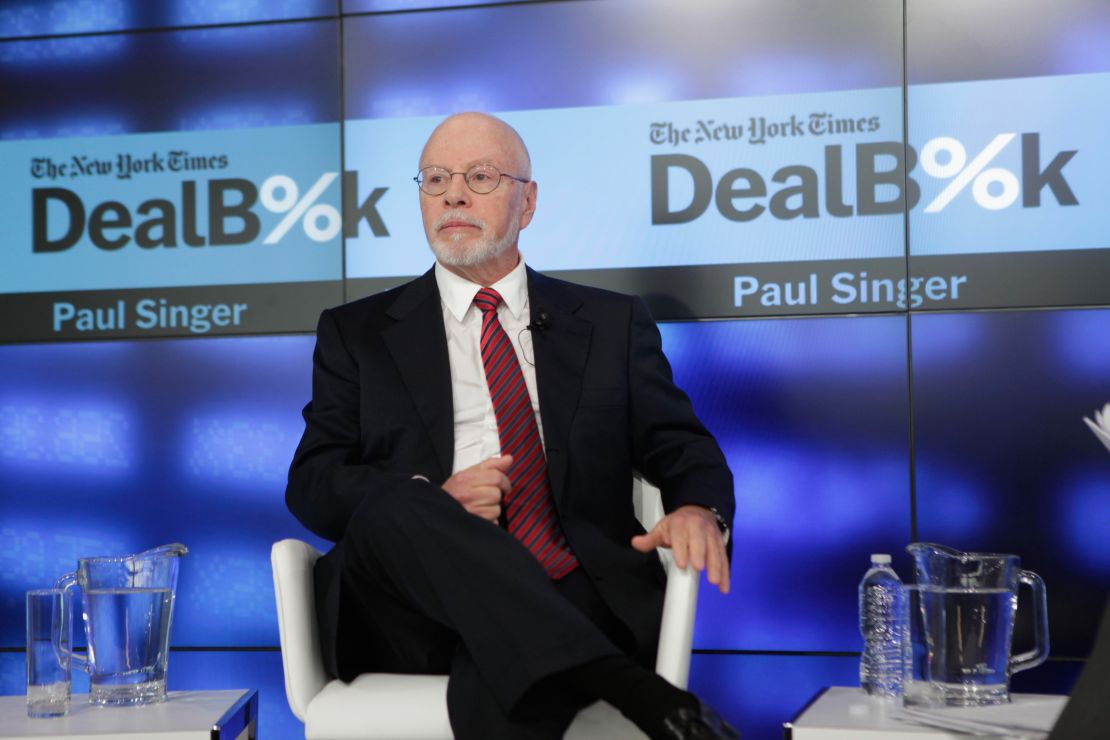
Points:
[676,634]
[292,562]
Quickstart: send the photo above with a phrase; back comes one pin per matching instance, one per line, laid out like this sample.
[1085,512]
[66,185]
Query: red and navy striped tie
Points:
[529,509]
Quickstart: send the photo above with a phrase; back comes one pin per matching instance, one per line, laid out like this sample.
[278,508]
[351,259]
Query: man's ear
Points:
[530,189]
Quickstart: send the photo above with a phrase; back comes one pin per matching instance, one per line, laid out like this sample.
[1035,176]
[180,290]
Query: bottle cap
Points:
[880,558]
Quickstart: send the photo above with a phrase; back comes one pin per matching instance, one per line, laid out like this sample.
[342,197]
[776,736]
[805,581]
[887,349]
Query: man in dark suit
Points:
[469,447]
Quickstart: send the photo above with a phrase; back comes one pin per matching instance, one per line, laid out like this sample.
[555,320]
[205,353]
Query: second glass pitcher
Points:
[961,621]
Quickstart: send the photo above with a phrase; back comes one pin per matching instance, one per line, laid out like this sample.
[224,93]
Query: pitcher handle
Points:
[1039,653]
[65,583]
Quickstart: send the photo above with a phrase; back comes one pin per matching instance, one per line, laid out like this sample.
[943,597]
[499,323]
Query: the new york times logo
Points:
[758,129]
[125,165]
[232,215]
[881,184]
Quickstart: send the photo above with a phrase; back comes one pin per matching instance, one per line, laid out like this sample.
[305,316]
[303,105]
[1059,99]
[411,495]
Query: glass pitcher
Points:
[961,624]
[127,607]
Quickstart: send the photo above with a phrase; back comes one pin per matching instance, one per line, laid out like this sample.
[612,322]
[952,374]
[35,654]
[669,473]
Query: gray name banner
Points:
[948,282]
[830,287]
[166,312]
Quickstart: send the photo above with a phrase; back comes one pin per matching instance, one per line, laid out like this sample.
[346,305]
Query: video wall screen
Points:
[812,415]
[23,18]
[171,183]
[115,447]
[110,448]
[841,181]
[757,706]
[733,158]
[1004,462]
[388,6]
[1008,132]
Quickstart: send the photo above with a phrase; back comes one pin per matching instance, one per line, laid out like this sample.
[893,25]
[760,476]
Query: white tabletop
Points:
[184,715]
[843,713]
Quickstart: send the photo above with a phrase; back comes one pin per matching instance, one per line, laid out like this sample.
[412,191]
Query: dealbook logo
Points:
[218,212]
[881,186]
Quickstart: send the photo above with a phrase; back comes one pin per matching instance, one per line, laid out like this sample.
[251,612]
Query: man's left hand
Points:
[693,535]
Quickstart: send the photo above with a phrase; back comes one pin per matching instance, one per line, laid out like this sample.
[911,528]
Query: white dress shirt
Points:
[476,436]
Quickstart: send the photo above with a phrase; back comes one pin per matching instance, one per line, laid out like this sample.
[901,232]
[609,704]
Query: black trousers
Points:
[429,588]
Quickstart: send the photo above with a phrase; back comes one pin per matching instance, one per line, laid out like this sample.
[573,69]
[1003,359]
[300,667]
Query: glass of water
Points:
[49,640]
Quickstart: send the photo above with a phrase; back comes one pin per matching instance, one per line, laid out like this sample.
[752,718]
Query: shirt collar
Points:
[457,293]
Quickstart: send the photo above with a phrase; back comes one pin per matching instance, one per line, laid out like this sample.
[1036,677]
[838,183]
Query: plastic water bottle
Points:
[882,622]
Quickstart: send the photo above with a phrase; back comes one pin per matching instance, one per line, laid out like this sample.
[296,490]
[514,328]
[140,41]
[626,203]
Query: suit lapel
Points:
[418,345]
[561,350]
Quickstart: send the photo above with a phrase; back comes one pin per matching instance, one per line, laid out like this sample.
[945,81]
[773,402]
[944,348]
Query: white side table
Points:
[843,713]
[184,715]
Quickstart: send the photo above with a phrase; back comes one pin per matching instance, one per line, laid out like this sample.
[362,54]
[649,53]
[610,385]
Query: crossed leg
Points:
[430,588]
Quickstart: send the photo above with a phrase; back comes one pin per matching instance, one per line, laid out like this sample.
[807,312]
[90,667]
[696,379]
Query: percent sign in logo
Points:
[321,221]
[962,173]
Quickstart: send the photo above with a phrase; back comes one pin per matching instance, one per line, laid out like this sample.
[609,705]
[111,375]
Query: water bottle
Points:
[882,622]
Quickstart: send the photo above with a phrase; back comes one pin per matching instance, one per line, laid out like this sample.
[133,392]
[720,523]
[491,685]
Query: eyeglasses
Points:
[481,178]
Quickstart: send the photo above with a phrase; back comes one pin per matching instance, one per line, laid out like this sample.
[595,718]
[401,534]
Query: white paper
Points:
[1027,717]
[1101,425]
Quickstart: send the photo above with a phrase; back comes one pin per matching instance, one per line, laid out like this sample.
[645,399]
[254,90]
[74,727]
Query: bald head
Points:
[474,234]
[501,138]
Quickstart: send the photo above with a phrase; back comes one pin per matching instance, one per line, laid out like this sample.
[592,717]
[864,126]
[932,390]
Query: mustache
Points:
[459,216]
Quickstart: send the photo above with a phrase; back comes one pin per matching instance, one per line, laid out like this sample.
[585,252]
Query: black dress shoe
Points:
[701,723]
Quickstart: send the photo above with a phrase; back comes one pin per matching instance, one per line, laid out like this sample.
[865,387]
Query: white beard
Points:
[485,248]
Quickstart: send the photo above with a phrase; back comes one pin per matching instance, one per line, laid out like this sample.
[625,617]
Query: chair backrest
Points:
[303,664]
[647,502]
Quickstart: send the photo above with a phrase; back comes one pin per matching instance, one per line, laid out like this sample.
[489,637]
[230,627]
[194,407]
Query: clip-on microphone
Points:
[540,322]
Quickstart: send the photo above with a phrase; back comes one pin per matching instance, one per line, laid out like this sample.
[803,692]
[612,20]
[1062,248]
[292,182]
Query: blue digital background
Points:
[1004,462]
[812,415]
[115,447]
[22,18]
[553,55]
[214,78]
[387,6]
[189,440]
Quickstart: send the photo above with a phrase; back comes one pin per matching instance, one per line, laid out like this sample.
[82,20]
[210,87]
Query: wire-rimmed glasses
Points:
[481,179]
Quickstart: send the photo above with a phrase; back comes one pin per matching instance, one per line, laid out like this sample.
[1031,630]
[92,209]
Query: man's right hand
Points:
[480,487]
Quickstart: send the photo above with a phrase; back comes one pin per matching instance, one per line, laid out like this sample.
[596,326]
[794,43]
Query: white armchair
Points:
[407,707]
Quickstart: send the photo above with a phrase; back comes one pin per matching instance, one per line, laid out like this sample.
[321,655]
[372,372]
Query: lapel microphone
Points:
[539,323]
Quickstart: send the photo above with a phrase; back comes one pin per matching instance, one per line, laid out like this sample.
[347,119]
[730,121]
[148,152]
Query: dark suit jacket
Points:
[381,412]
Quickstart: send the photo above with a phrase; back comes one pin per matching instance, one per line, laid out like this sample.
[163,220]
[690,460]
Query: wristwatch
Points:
[722,524]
